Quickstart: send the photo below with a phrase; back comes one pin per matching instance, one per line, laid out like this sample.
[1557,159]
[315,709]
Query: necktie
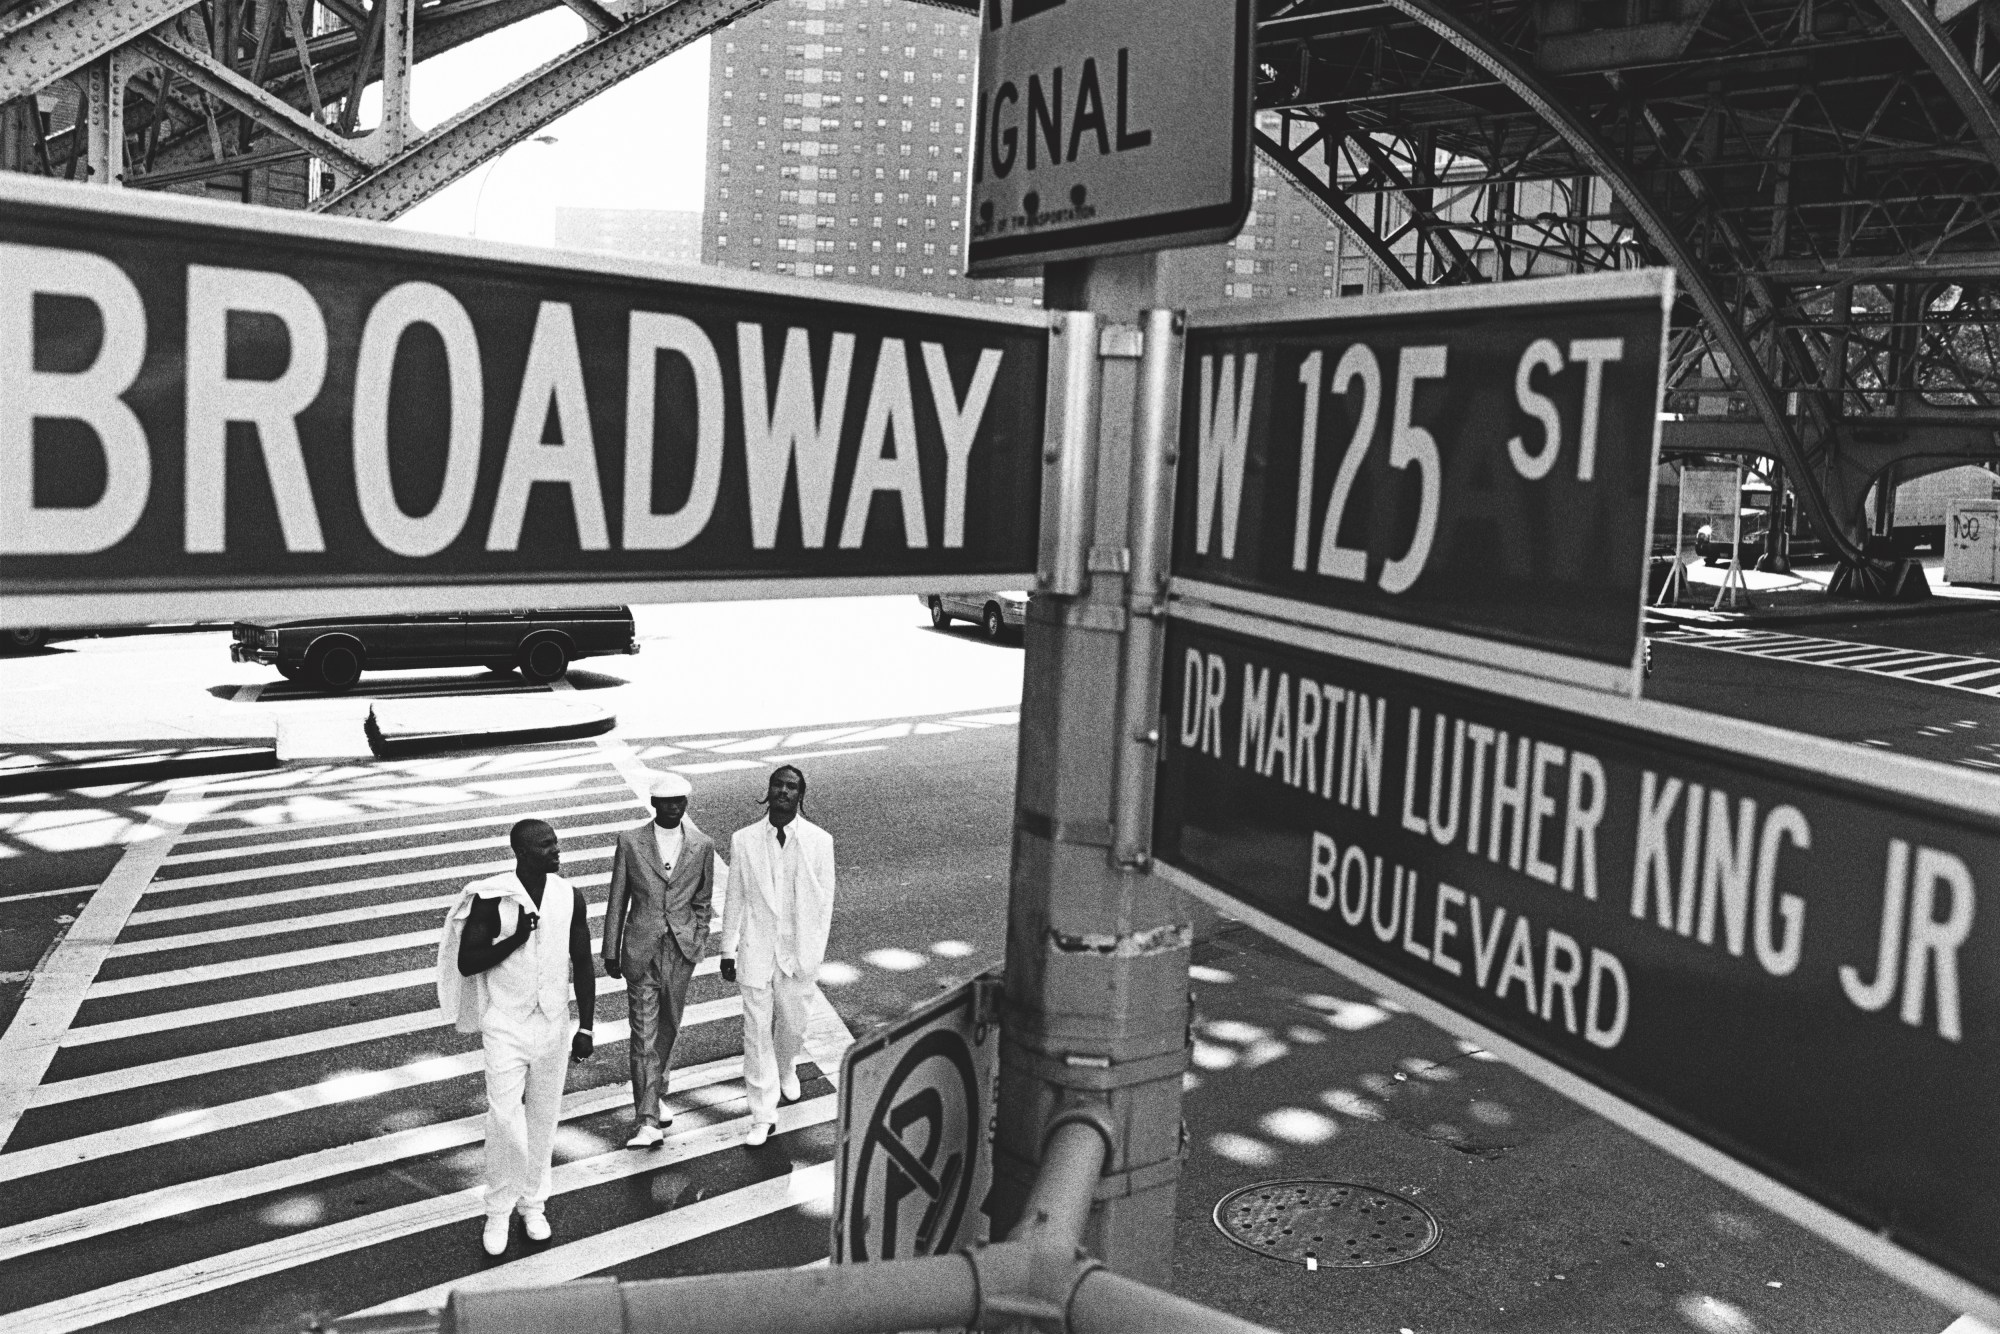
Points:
[781,836]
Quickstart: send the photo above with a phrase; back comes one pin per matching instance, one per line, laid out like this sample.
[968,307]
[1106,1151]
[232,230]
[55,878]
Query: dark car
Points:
[331,652]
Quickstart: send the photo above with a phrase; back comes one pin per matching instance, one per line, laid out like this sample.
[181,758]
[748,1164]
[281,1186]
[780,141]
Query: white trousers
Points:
[527,1062]
[774,1032]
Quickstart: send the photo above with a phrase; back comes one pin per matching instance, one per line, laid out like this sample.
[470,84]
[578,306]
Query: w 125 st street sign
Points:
[1788,977]
[1467,472]
[1106,126]
[210,410]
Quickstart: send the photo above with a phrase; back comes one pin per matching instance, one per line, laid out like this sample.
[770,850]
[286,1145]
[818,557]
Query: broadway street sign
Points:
[1769,954]
[208,410]
[1467,472]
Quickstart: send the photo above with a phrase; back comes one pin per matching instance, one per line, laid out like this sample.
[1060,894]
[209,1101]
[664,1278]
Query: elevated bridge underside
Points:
[1824,175]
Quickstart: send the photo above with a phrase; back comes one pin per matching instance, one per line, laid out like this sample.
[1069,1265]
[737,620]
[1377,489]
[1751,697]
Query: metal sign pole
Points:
[1097,952]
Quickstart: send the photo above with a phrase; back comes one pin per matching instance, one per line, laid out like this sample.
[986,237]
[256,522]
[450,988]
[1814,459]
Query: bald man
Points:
[523,939]
[655,931]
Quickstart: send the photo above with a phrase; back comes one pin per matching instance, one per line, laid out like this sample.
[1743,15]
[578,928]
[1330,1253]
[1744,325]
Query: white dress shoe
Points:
[788,1087]
[494,1238]
[535,1224]
[759,1132]
[646,1137]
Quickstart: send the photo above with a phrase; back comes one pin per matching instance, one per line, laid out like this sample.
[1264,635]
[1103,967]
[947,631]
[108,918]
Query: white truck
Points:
[1918,519]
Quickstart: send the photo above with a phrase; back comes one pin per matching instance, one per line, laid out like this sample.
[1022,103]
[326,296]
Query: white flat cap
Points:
[669,785]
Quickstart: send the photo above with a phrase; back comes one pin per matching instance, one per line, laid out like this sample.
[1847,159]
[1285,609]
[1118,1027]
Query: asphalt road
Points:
[1817,678]
[254,1118]
[250,1122]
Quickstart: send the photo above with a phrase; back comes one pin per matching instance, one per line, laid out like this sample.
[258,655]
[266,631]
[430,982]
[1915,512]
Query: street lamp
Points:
[480,198]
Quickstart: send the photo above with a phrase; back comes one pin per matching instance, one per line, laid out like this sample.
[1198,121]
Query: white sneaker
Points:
[759,1132]
[788,1087]
[494,1238]
[535,1224]
[646,1137]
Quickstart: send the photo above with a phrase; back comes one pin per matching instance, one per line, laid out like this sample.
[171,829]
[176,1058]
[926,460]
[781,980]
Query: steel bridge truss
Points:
[264,98]
[1823,174]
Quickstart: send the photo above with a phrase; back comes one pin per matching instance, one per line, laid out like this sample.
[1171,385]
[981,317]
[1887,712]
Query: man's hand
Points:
[611,966]
[729,970]
[529,921]
[580,1047]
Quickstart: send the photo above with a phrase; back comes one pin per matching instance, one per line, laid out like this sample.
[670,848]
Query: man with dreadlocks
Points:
[776,912]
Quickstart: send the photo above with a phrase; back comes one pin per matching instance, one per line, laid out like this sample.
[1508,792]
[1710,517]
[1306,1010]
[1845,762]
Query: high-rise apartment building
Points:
[837,145]
[649,233]
[838,134]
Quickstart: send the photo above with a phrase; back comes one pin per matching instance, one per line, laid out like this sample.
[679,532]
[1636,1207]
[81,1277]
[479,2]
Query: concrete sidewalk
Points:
[1554,1220]
[1800,598]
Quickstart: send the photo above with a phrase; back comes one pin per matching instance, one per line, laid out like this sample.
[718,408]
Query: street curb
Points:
[426,743]
[64,775]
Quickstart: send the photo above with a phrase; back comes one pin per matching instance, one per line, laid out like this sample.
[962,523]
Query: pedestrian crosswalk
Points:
[1955,671]
[255,1115]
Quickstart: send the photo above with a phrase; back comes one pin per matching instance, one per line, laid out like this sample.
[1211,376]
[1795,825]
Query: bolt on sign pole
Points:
[1097,949]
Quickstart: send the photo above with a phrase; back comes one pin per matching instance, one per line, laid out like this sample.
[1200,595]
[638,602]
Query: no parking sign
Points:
[916,1106]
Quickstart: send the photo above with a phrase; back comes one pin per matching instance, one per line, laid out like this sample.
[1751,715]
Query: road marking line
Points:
[584,770]
[58,987]
[96,1220]
[335,889]
[288,925]
[117,1030]
[276,1049]
[267,963]
[363,859]
[1945,663]
[1848,656]
[49,893]
[345,1088]
[196,1278]
[407,831]
[811,1187]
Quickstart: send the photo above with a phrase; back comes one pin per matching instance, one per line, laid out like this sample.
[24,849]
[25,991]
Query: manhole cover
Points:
[1336,1223]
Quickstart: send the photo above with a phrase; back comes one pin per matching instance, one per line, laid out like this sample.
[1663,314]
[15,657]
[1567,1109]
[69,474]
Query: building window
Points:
[721,240]
[902,271]
[874,270]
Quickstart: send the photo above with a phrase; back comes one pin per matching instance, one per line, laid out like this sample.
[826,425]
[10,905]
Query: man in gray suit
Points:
[655,929]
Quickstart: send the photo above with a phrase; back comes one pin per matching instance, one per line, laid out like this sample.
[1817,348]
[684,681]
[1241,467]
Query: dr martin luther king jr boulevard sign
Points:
[255,411]
[1397,734]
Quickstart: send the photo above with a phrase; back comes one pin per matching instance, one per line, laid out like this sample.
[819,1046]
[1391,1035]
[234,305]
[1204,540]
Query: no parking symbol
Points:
[916,1101]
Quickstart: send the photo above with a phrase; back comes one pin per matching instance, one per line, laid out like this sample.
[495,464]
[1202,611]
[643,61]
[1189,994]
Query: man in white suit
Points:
[777,910]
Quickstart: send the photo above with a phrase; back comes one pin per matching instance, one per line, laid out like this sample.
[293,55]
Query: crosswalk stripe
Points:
[409,831]
[271,963]
[281,926]
[61,985]
[810,1186]
[118,1030]
[389,803]
[268,1106]
[96,1220]
[196,1278]
[176,883]
[277,1049]
[1940,663]
[1992,669]
[1903,664]
[462,875]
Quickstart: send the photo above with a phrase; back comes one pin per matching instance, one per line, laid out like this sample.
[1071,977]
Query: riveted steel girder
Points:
[61,38]
[1722,320]
[517,111]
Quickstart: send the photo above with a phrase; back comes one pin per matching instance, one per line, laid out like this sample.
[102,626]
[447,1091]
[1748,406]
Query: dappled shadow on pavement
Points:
[1553,1218]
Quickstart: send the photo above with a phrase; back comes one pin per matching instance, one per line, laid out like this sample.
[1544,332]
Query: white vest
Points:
[537,975]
